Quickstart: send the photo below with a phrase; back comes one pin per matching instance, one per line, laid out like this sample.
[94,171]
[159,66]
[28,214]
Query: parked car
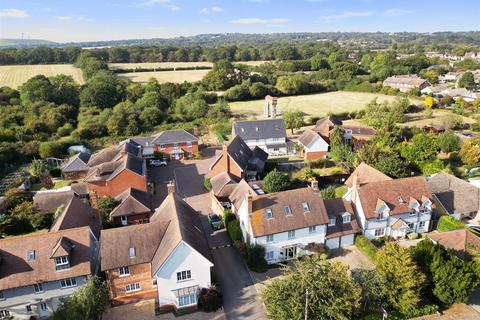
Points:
[215,221]
[474,227]
[158,163]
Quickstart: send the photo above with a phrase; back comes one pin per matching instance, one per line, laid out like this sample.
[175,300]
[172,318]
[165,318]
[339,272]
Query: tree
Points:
[470,151]
[37,168]
[65,90]
[49,149]
[448,141]
[467,81]
[428,102]
[421,148]
[276,181]
[332,293]
[103,90]
[87,302]
[339,150]
[105,206]
[373,288]
[36,89]
[402,278]
[293,119]
[191,106]
[392,165]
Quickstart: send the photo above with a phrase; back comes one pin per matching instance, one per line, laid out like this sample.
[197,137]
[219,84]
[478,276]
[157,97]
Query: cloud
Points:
[346,15]
[394,12]
[13,13]
[150,3]
[217,9]
[63,17]
[214,9]
[174,7]
[76,18]
[253,21]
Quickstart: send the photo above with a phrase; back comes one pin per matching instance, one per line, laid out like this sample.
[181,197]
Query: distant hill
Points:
[25,43]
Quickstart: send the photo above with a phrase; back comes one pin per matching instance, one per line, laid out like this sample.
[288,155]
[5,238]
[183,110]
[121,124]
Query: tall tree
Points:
[276,181]
[293,119]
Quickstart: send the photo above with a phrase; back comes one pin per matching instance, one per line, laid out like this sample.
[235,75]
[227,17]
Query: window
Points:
[270,238]
[269,213]
[61,263]
[124,220]
[37,287]
[2,297]
[4,313]
[132,287]
[379,232]
[291,234]
[131,252]
[312,229]
[305,207]
[69,282]
[187,300]
[410,225]
[287,210]
[43,306]
[269,255]
[346,217]
[189,143]
[175,145]
[29,308]
[421,224]
[154,283]
[184,275]
[162,146]
[189,154]
[31,255]
[124,271]
[331,222]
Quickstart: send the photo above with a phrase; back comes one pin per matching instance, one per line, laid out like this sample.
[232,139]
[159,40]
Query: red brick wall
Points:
[133,219]
[315,155]
[140,273]
[226,164]
[169,148]
[126,179]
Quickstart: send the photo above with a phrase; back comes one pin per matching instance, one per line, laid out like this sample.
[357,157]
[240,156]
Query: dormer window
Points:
[269,213]
[346,217]
[31,255]
[305,207]
[38,288]
[331,222]
[287,210]
[62,263]
[243,130]
[131,252]
[256,128]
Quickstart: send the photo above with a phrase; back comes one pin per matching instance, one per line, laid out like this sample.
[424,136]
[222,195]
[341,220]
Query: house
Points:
[38,271]
[269,135]
[314,146]
[239,161]
[237,196]
[76,167]
[326,125]
[342,223]
[270,107]
[405,83]
[176,144]
[462,242]
[134,207]
[472,55]
[354,134]
[364,174]
[391,207]
[463,93]
[454,196]
[167,259]
[453,76]
[222,186]
[434,90]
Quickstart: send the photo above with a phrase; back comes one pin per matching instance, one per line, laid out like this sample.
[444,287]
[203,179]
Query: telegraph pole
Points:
[306,304]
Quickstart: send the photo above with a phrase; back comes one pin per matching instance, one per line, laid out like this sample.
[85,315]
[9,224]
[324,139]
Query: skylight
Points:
[131,252]
[287,210]
[269,213]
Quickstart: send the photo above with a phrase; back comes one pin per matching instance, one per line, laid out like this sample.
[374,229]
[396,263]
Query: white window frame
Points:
[43,306]
[132,287]
[270,238]
[269,255]
[381,233]
[4,313]
[269,213]
[31,255]
[37,288]
[124,220]
[189,144]
[312,229]
[346,218]
[187,300]
[124,271]
[411,225]
[162,146]
[287,210]
[422,224]
[131,252]
[291,234]
[331,222]
[28,307]
[154,283]
[184,275]
[62,263]
[68,283]
[306,207]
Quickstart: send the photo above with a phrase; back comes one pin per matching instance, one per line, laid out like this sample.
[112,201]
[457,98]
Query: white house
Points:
[314,146]
[38,271]
[167,259]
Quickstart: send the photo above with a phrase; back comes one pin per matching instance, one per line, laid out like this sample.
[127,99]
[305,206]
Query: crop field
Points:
[14,76]
[166,76]
[318,105]
[150,65]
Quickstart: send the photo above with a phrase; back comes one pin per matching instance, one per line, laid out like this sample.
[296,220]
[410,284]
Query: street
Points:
[240,297]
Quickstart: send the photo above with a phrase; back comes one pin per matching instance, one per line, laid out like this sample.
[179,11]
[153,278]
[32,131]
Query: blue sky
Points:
[66,20]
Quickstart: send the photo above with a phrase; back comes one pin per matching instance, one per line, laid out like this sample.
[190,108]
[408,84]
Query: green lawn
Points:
[318,105]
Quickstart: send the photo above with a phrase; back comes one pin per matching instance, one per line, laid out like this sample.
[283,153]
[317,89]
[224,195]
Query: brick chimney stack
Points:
[171,187]
[249,202]
[314,185]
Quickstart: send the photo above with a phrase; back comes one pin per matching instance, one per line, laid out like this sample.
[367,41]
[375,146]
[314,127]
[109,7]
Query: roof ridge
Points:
[49,233]
[59,219]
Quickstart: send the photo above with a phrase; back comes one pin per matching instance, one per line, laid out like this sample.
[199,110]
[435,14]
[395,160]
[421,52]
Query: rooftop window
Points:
[305,207]
[131,252]
[269,213]
[62,263]
[31,255]
[287,210]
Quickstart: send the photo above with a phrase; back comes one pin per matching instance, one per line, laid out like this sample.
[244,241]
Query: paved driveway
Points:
[241,300]
[355,258]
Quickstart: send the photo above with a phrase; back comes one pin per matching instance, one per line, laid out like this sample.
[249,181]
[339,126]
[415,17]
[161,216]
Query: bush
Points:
[412,235]
[210,300]
[56,172]
[256,258]
[234,231]
[158,155]
[207,184]
[367,247]
[15,224]
[42,220]
[276,181]
[449,223]
[228,216]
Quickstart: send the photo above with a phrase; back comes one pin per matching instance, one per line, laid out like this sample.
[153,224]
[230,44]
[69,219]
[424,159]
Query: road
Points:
[240,297]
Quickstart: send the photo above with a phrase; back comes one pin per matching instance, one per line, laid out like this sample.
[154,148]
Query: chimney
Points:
[171,187]
[314,185]
[355,186]
[249,202]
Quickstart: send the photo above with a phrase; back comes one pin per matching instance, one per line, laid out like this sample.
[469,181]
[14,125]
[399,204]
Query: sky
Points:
[91,20]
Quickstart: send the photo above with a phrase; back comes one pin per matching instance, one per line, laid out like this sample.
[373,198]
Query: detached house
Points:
[392,207]
[76,167]
[269,135]
[167,259]
[239,161]
[314,146]
[405,83]
[356,135]
[38,271]
[134,207]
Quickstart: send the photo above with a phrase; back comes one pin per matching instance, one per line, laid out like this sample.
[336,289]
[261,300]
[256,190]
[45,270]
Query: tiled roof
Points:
[404,79]
[240,192]
[457,240]
[17,271]
[220,181]
[281,222]
[308,137]
[260,129]
[330,120]
[394,193]
[77,162]
[132,201]
[360,130]
[80,188]
[173,136]
[366,174]
[335,209]
[108,170]
[50,201]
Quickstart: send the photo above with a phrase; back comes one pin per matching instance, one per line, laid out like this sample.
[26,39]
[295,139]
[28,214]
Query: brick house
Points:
[356,135]
[167,259]
[239,161]
[134,207]
[314,146]
[405,83]
[76,167]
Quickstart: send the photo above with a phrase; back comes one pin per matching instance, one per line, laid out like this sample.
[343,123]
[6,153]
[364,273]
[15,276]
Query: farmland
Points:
[166,76]
[150,65]
[318,105]
[14,76]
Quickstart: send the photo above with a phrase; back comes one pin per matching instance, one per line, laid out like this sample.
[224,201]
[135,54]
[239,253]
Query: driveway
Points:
[240,298]
[352,256]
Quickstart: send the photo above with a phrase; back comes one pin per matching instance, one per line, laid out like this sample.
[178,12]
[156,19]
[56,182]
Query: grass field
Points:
[166,76]
[149,65]
[313,104]
[14,76]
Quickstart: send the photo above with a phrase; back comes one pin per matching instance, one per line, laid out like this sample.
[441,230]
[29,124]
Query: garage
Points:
[339,242]
[333,243]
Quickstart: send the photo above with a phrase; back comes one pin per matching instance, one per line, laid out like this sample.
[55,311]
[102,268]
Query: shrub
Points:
[449,223]
[42,220]
[256,258]
[56,172]
[207,184]
[276,181]
[234,231]
[157,154]
[209,300]
[328,192]
[367,247]
[15,224]
[241,247]
[228,216]
[412,235]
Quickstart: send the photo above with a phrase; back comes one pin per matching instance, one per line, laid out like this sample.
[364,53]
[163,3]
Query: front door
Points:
[43,310]
[290,253]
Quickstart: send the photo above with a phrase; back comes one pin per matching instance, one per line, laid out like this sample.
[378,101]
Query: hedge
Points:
[207,184]
[234,231]
[362,243]
[449,223]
